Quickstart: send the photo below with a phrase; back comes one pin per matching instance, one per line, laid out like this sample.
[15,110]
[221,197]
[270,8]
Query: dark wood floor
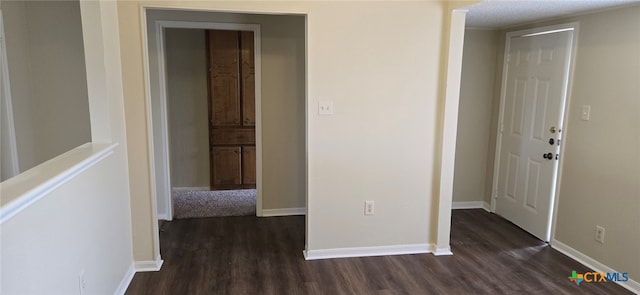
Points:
[249,255]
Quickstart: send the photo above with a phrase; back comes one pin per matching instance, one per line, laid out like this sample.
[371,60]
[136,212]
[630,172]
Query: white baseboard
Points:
[593,264]
[126,280]
[191,188]
[164,216]
[150,265]
[367,251]
[471,205]
[442,252]
[283,212]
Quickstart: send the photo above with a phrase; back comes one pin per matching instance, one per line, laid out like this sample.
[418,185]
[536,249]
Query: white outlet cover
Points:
[600,234]
[369,208]
[585,113]
[325,107]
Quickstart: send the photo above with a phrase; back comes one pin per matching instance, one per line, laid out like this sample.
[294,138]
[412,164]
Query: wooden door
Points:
[232,120]
[536,84]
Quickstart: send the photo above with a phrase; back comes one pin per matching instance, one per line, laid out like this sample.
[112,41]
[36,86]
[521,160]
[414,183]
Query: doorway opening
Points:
[534,93]
[279,44]
[510,126]
[210,102]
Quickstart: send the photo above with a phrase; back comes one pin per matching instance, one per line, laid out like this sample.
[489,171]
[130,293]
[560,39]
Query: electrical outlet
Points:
[325,107]
[82,284]
[585,113]
[369,208]
[600,234]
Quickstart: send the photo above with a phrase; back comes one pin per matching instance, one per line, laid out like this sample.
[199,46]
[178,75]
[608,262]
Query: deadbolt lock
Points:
[553,129]
[551,141]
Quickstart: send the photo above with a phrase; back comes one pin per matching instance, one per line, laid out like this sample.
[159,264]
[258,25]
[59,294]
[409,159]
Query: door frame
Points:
[163,181]
[574,27]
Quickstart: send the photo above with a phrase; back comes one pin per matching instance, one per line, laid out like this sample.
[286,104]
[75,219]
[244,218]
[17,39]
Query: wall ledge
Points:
[23,190]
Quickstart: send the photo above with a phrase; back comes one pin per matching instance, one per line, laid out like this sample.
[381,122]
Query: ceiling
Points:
[506,13]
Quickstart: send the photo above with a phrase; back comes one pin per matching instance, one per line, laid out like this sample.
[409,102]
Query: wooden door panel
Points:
[224,78]
[226,166]
[248,79]
[231,86]
[249,165]
[233,136]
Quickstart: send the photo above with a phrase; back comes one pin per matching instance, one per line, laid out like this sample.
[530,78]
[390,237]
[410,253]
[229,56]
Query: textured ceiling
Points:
[506,13]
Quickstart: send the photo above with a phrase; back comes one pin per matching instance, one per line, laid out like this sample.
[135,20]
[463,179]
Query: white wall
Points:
[379,145]
[47,72]
[187,107]
[474,117]
[83,225]
[58,87]
[15,26]
[601,172]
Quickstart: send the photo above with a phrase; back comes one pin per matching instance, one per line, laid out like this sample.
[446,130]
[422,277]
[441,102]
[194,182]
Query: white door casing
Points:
[160,150]
[535,83]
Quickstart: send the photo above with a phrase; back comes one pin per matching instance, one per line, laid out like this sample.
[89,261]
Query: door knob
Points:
[548,156]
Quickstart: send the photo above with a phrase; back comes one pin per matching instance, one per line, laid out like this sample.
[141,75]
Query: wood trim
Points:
[233,136]
[209,114]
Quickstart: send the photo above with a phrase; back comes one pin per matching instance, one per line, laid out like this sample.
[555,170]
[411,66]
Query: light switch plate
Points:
[585,113]
[325,107]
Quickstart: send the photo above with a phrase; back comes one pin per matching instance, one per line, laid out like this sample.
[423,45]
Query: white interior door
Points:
[536,79]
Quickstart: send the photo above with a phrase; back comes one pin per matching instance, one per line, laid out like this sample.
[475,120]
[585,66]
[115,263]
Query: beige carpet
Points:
[200,204]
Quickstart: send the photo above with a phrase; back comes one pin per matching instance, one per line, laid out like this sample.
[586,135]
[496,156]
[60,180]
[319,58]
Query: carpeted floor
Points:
[199,204]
